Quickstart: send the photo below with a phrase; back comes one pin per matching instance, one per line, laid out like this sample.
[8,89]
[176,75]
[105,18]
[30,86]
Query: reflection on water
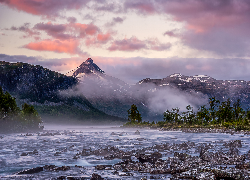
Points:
[61,145]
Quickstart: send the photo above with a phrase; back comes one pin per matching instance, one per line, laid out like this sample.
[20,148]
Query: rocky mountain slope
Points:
[220,89]
[41,87]
[154,96]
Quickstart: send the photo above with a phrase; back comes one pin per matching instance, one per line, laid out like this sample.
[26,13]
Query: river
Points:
[76,149]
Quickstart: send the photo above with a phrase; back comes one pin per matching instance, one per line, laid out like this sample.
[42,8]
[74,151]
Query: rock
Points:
[96,177]
[56,168]
[31,171]
[24,154]
[35,152]
[126,157]
[137,132]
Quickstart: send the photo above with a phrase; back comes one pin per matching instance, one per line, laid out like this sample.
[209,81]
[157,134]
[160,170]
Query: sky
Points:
[130,39]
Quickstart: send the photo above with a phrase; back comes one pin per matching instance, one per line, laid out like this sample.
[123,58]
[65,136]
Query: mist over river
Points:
[85,152]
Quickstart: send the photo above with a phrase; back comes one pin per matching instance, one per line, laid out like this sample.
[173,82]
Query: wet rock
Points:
[57,154]
[181,156]
[56,168]
[96,177]
[28,134]
[152,158]
[102,167]
[31,171]
[24,154]
[125,174]
[236,143]
[35,152]
[233,151]
[126,157]
[137,132]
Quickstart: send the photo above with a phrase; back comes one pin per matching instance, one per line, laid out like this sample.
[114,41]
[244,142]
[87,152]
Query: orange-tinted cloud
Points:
[44,7]
[103,37]
[66,46]
[98,40]
[85,29]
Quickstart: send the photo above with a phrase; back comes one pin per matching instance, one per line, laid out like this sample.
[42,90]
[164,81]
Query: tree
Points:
[213,104]
[8,106]
[134,115]
[224,112]
[203,115]
[12,119]
[172,116]
[238,111]
[190,115]
[30,116]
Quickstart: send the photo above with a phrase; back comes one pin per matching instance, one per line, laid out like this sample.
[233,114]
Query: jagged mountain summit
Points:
[105,92]
[87,67]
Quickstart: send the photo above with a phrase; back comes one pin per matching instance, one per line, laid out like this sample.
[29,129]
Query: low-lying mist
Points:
[156,99]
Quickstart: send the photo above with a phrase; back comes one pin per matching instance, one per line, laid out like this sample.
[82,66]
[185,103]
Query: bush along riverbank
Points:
[14,119]
[216,115]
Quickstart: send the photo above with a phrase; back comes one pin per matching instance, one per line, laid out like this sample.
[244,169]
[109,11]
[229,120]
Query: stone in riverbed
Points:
[31,171]
[137,132]
[96,177]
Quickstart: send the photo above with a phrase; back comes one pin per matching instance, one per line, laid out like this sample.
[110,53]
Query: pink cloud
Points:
[115,21]
[217,26]
[131,44]
[54,30]
[202,16]
[170,33]
[199,15]
[27,30]
[44,7]
[144,7]
[66,46]
[134,44]
[98,40]
[86,29]
[103,37]
[68,31]
[157,46]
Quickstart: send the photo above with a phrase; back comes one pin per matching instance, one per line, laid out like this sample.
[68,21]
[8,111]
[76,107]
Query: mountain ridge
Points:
[41,87]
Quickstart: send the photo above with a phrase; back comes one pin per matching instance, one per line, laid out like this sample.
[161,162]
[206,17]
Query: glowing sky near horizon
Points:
[129,39]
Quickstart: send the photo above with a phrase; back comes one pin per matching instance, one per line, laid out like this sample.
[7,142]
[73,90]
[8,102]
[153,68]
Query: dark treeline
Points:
[214,114]
[14,119]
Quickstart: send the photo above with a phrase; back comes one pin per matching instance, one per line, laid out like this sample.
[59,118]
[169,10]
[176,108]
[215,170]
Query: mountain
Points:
[106,93]
[41,88]
[88,93]
[87,67]
[220,89]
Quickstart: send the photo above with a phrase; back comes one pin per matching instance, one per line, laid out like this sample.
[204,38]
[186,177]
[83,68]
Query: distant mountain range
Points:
[87,93]
[220,89]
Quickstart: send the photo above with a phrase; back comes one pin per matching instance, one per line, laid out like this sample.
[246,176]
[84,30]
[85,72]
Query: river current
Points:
[68,146]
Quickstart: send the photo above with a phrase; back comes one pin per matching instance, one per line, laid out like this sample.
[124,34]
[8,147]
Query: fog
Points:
[156,99]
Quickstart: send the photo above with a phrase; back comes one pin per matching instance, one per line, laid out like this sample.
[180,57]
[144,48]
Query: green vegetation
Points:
[216,115]
[14,119]
[134,117]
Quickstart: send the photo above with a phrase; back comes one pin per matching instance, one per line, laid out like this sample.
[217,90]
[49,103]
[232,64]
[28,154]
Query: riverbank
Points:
[85,152]
[191,129]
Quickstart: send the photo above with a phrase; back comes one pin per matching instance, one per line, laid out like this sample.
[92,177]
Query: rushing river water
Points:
[78,147]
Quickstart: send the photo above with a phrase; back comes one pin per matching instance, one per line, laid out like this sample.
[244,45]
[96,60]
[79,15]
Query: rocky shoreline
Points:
[166,160]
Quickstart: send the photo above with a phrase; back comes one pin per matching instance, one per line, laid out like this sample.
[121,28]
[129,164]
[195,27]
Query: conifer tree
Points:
[134,115]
